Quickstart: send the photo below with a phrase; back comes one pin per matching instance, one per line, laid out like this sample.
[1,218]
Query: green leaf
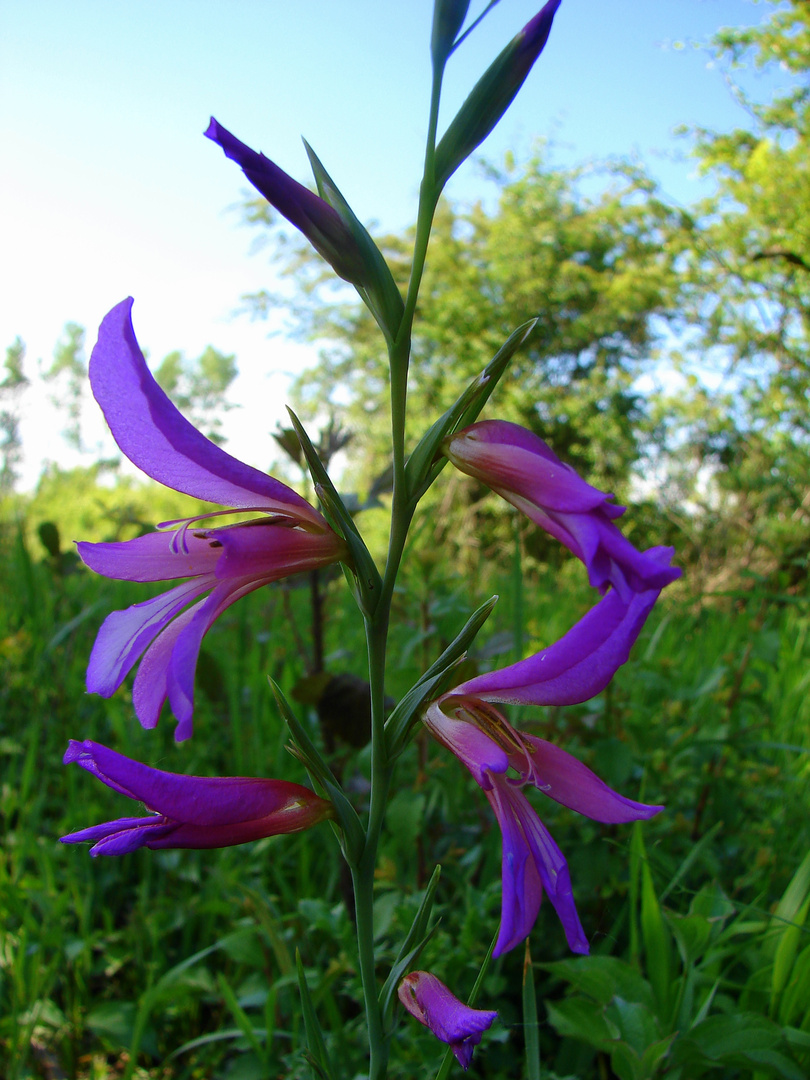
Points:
[602,978]
[368,577]
[426,461]
[531,1032]
[240,1016]
[578,1018]
[786,952]
[401,720]
[315,1042]
[381,294]
[353,835]
[414,942]
[656,937]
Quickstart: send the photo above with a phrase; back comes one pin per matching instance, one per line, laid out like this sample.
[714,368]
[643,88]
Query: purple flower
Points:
[227,563]
[575,668]
[191,811]
[313,216]
[525,471]
[428,999]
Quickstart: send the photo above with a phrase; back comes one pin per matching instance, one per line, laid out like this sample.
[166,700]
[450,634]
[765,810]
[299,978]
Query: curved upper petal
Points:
[565,779]
[157,438]
[473,748]
[576,667]
[515,462]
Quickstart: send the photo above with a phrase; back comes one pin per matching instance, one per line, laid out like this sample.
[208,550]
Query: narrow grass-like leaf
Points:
[531,1031]
[315,1042]
[785,955]
[426,462]
[415,940]
[402,718]
[241,1018]
[694,853]
[353,835]
[368,577]
[382,296]
[657,947]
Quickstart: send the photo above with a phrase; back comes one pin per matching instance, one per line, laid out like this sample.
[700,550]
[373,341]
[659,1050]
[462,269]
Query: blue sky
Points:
[108,187]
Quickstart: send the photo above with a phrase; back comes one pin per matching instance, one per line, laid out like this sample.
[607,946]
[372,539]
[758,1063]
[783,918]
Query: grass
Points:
[182,964]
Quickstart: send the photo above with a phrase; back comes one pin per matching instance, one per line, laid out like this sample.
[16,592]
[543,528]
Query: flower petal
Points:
[157,556]
[428,1000]
[565,779]
[161,442]
[272,550]
[122,836]
[125,634]
[530,859]
[190,800]
[472,747]
[576,667]
[186,650]
[522,469]
[511,459]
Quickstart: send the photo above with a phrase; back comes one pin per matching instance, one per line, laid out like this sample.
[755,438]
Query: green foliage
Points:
[739,430]
[69,373]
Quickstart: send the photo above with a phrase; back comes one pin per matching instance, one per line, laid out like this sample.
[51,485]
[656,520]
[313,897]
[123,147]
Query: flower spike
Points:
[191,811]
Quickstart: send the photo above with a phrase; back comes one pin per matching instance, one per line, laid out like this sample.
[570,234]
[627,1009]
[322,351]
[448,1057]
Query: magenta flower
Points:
[575,668]
[313,216]
[451,1021]
[191,811]
[290,536]
[524,470]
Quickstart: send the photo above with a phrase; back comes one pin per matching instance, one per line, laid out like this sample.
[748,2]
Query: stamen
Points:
[179,545]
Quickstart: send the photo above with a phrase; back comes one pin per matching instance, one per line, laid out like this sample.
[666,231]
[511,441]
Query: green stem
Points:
[377,624]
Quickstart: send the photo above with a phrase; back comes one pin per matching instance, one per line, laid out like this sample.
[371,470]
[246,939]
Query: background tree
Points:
[69,374]
[592,268]
[199,387]
[13,383]
[739,431]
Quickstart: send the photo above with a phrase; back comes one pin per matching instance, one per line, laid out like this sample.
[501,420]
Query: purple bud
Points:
[428,1000]
[316,219]
[191,811]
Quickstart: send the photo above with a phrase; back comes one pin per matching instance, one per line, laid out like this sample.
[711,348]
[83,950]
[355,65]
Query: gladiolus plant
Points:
[211,565]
